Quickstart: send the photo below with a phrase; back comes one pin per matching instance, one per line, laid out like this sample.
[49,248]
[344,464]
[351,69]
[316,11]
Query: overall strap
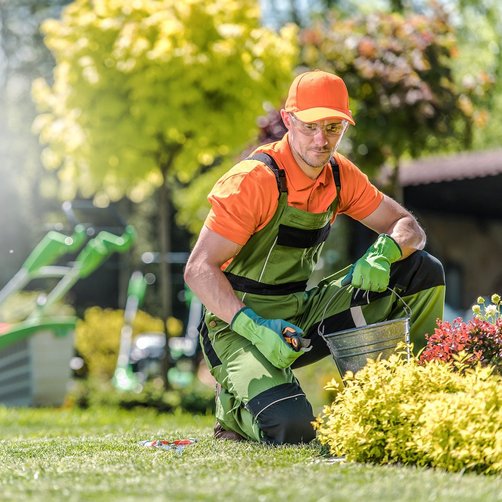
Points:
[336,173]
[269,161]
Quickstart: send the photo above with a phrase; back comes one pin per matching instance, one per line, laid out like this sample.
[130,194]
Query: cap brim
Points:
[314,114]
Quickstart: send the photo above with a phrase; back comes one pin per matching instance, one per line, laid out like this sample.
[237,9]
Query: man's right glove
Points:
[269,336]
[372,271]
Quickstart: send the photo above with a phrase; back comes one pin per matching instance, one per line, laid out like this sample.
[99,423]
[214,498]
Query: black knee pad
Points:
[283,414]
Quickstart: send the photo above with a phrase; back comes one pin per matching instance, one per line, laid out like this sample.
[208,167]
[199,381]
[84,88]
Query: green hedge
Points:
[425,415]
[94,393]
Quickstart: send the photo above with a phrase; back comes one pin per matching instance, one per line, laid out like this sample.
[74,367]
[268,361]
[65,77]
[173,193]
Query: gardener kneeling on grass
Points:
[270,216]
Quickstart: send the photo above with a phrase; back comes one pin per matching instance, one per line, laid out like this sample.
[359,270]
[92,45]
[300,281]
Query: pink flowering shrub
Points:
[479,340]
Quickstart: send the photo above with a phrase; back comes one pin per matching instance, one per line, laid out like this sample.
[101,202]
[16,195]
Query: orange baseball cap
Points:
[318,95]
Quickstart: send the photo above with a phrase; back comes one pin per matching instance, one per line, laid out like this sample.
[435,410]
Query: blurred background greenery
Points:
[141,105]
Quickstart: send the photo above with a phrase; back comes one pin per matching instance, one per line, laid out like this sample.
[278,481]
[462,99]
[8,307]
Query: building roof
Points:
[467,184]
[467,165]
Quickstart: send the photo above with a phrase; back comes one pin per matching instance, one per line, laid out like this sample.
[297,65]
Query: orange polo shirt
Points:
[245,198]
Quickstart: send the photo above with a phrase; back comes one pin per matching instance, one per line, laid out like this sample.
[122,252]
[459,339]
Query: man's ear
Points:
[286,118]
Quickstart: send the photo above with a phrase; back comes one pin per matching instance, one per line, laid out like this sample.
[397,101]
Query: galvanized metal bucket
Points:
[351,348]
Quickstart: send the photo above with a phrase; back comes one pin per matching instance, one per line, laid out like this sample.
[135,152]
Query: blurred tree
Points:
[478,34]
[147,92]
[398,69]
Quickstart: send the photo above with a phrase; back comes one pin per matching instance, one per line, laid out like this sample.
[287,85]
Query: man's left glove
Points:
[269,336]
[372,271]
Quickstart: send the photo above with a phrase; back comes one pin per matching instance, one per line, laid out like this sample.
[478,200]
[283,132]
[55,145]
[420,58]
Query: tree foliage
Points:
[398,69]
[192,213]
[148,93]
[145,92]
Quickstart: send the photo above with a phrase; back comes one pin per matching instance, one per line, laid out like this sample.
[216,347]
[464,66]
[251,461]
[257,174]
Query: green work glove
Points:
[372,271]
[267,336]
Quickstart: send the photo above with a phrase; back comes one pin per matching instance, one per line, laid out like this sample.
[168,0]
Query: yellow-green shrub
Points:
[400,412]
[97,337]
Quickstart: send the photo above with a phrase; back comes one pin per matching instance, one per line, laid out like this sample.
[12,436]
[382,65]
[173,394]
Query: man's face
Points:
[313,142]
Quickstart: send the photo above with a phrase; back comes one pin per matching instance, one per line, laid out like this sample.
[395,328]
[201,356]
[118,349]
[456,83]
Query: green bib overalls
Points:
[270,274]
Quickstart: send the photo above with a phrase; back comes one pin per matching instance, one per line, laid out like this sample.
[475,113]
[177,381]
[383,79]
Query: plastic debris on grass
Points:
[178,445]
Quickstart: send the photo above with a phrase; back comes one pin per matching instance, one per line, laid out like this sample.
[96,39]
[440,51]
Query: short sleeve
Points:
[242,201]
[358,196]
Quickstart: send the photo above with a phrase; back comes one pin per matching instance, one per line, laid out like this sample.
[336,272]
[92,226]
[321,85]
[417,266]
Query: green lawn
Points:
[52,454]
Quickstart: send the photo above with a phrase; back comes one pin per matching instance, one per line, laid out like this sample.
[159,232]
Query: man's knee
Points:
[284,415]
[418,272]
[432,267]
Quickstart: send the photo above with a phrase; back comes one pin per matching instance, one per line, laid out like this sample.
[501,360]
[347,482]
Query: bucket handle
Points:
[320,328]
[406,307]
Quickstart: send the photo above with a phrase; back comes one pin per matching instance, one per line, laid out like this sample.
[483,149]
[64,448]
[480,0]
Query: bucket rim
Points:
[340,351]
[373,325]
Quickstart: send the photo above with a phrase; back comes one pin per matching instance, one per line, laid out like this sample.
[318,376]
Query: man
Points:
[260,243]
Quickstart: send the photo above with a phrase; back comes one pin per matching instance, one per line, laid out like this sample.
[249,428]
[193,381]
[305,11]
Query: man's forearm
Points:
[408,234]
[214,291]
